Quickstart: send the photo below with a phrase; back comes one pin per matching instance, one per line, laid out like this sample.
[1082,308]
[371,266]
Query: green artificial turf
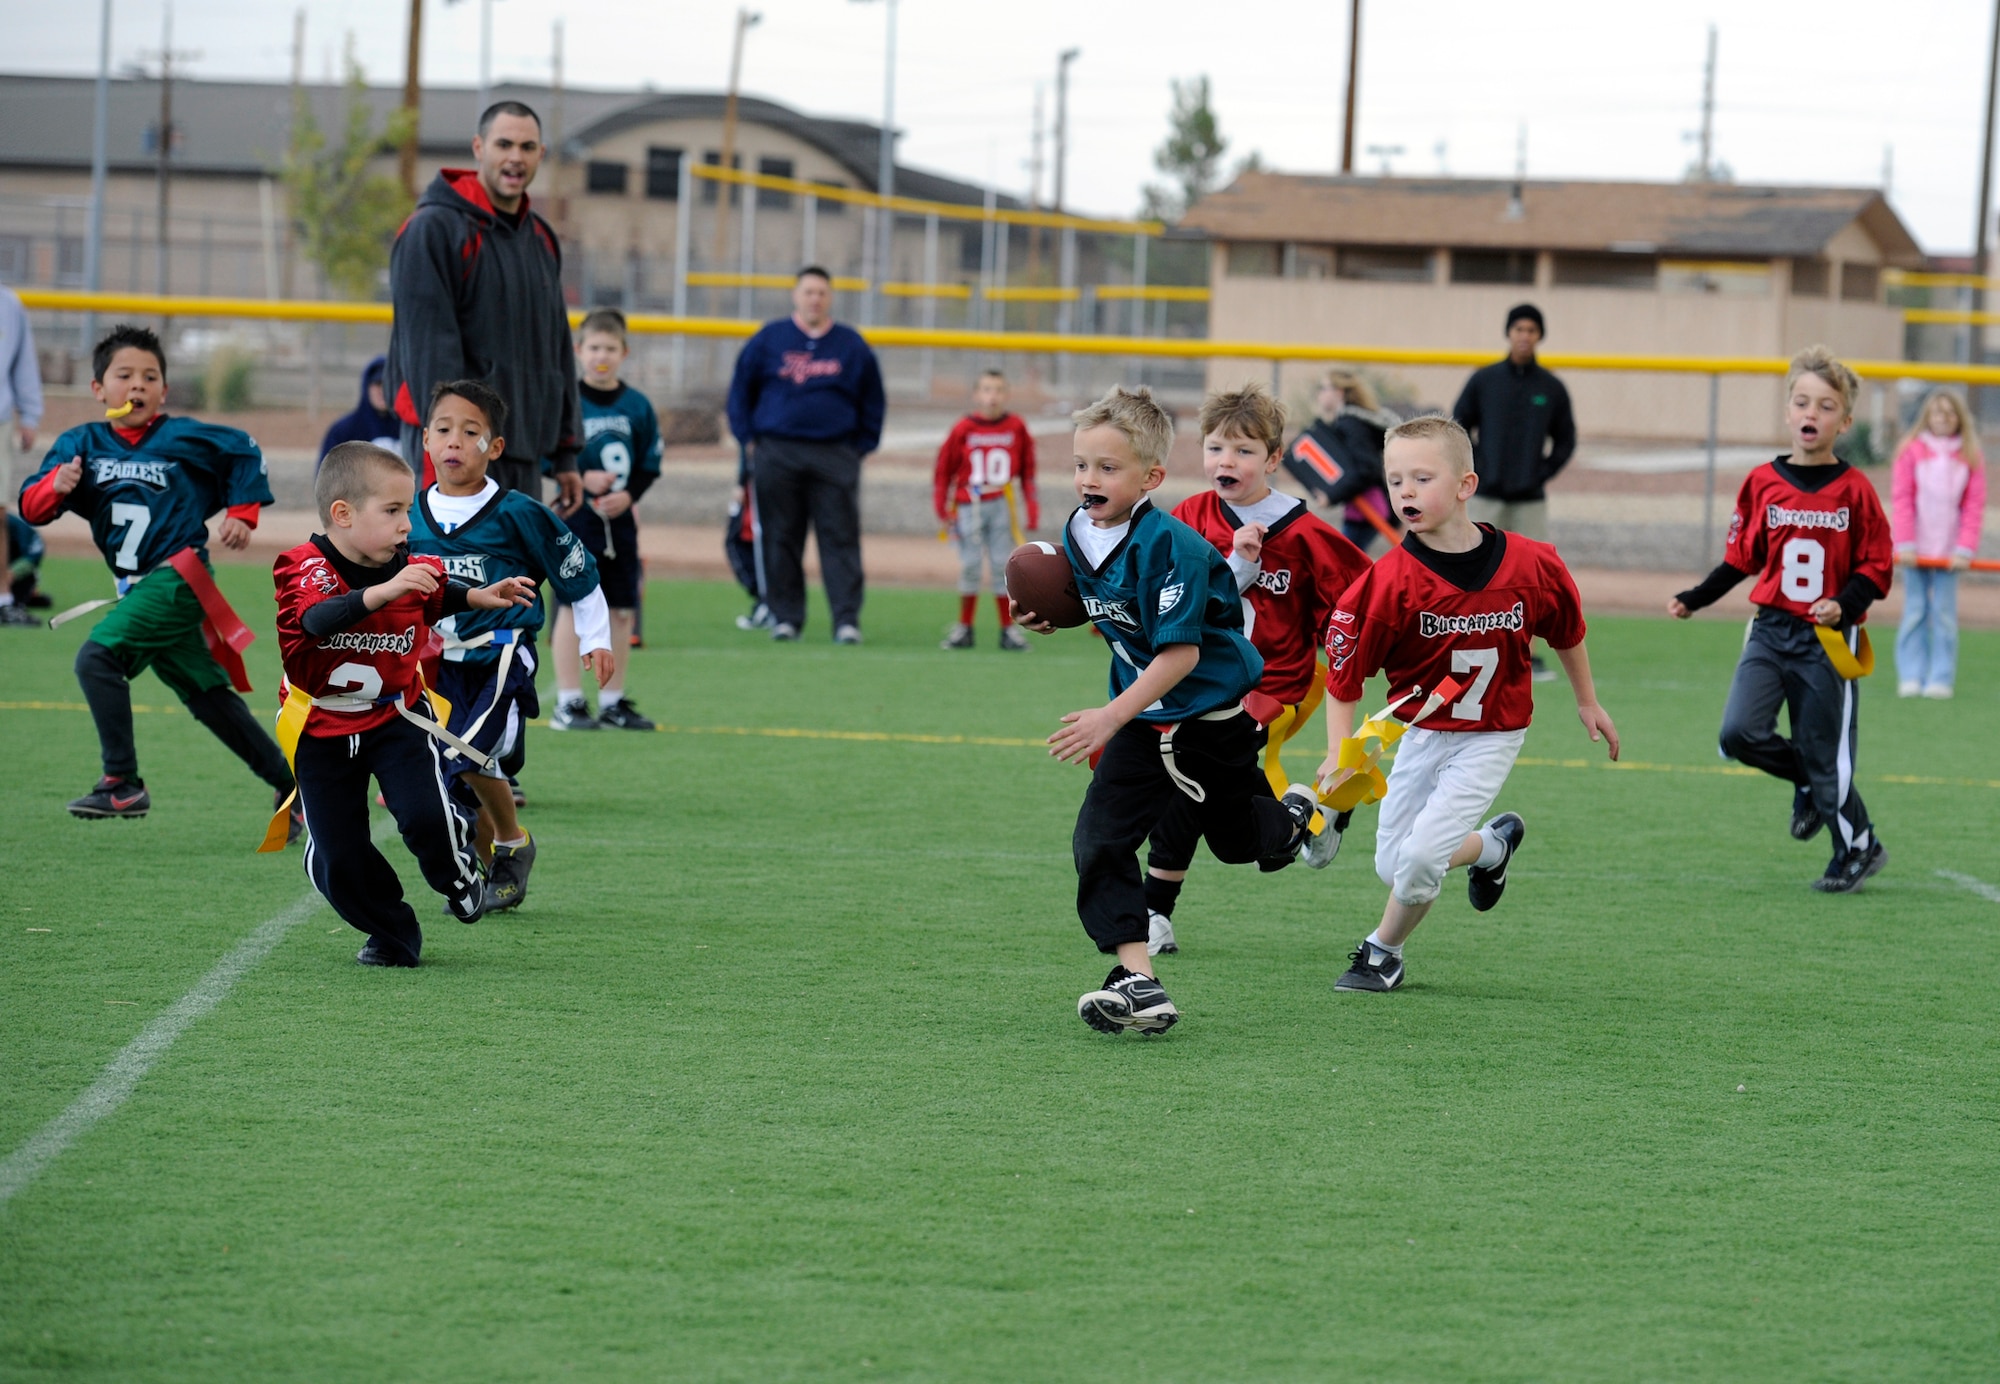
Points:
[777,1075]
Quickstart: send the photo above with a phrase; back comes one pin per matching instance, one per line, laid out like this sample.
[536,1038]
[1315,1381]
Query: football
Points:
[1040,580]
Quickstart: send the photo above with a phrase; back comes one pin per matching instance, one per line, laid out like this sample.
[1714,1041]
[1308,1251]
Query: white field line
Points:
[125,1071]
[1977,886]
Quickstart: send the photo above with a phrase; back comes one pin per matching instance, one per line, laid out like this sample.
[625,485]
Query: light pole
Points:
[1063,60]
[885,172]
[93,245]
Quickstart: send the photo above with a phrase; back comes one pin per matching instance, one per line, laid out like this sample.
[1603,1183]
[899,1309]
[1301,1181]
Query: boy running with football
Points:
[1290,567]
[987,458]
[1175,726]
[1811,529]
[355,614]
[147,484]
[482,533]
[1450,615]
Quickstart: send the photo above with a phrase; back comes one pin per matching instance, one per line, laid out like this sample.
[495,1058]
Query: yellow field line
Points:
[894,737]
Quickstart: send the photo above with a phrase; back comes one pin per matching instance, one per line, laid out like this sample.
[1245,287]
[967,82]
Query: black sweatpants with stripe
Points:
[1132,790]
[341,859]
[1784,665]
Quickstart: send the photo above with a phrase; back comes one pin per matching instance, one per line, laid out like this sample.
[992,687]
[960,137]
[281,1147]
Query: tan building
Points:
[1662,269]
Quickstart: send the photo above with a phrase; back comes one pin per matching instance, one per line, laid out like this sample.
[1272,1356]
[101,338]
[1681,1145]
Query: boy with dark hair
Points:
[1450,615]
[619,462]
[355,614]
[482,533]
[1165,601]
[1811,529]
[1290,567]
[147,484]
[987,456]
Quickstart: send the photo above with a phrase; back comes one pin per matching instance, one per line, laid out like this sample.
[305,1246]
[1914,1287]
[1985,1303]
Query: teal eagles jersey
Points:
[149,499]
[511,536]
[621,437]
[1166,584]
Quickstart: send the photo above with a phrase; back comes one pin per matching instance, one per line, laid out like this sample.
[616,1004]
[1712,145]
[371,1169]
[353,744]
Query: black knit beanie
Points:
[1531,313]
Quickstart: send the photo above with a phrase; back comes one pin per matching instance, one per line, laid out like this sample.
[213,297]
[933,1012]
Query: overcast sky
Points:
[1806,93]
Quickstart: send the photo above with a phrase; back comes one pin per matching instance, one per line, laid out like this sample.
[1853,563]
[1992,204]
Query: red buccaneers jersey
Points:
[1306,565]
[1803,545]
[376,658]
[1404,618]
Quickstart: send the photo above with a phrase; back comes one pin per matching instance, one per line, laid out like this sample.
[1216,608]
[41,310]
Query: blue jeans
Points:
[1927,640]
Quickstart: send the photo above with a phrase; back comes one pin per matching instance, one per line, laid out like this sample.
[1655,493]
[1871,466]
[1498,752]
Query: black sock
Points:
[1162,894]
[231,722]
[109,693]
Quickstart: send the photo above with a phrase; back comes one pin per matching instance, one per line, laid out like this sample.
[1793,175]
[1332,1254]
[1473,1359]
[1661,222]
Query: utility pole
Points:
[93,245]
[1063,60]
[746,20]
[413,95]
[556,93]
[485,54]
[1353,85]
[1705,169]
[163,174]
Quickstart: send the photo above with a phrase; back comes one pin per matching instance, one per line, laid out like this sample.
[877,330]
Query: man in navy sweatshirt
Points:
[807,404]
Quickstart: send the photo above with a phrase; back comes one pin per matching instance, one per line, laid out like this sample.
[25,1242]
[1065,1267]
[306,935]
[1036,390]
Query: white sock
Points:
[1375,941]
[6,599]
[608,697]
[1493,850]
[566,695]
[516,843]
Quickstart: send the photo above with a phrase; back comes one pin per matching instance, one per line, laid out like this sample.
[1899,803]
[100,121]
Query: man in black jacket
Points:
[475,277]
[1522,434]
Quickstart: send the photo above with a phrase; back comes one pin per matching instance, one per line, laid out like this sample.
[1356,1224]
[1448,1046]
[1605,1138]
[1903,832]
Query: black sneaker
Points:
[959,638]
[1806,820]
[573,714]
[380,953]
[470,906]
[1484,887]
[1539,670]
[1013,641]
[1849,870]
[1128,1000]
[1371,969]
[507,879]
[296,827]
[622,715]
[114,797]
[14,613]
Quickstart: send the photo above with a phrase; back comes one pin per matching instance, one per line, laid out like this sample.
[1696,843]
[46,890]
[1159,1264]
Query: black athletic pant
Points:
[342,861]
[1784,665]
[1133,790]
[818,482]
[107,687]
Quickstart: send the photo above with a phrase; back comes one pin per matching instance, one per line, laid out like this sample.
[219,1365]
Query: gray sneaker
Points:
[1160,934]
[1013,641]
[847,634]
[573,715]
[507,881]
[758,619]
[959,638]
[784,633]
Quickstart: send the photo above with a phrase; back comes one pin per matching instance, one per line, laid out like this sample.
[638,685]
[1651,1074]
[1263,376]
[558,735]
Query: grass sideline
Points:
[777,1073]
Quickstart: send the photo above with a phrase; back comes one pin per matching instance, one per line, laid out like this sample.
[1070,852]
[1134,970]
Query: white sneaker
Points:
[1909,689]
[1319,851]
[847,634]
[758,619]
[1160,930]
[1937,692]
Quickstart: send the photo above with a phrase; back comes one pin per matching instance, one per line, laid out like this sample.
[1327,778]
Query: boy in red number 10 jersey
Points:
[1811,529]
[355,618]
[1457,603]
[1290,567]
[987,462]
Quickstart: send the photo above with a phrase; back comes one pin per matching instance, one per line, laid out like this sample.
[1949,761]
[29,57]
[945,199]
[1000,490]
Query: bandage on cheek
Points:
[480,443]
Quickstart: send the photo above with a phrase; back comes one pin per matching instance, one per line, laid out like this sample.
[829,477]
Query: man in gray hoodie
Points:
[475,277]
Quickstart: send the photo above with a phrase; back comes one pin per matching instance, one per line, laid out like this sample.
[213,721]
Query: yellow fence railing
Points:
[1048,343]
[912,206]
[1951,317]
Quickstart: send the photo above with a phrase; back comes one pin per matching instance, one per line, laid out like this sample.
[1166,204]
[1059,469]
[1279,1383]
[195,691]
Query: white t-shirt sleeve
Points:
[593,622]
[1245,571]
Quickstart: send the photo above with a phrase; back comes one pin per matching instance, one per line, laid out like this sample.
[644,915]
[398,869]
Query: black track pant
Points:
[1784,665]
[342,861]
[107,687]
[1133,790]
[818,482]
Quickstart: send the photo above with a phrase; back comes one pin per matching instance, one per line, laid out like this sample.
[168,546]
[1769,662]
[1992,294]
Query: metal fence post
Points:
[930,296]
[747,256]
[870,221]
[683,241]
[1139,246]
[998,322]
[809,231]
[1708,485]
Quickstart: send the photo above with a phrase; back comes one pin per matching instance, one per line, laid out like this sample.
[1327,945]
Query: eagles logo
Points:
[573,557]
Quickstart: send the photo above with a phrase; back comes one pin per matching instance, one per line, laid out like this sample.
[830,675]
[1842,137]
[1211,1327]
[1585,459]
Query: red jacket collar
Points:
[465,182]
